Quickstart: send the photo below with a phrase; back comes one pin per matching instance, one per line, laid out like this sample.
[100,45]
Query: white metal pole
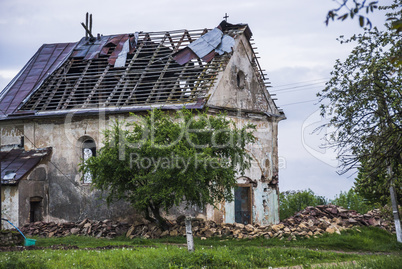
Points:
[189,235]
[394,202]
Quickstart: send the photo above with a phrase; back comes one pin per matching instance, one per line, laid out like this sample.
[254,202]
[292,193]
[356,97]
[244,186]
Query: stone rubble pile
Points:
[310,222]
[322,219]
[106,228]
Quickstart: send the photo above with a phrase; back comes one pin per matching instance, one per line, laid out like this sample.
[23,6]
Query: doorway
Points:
[243,204]
[35,211]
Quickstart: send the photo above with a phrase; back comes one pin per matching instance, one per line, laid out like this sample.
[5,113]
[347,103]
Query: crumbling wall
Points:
[241,91]
[64,196]
[11,133]
[261,178]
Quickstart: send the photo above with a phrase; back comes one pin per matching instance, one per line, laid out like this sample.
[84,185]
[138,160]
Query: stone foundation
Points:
[11,238]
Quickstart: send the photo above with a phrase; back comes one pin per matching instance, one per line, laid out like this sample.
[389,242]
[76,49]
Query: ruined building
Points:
[52,114]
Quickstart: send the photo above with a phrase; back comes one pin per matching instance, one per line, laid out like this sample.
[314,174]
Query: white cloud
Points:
[6,76]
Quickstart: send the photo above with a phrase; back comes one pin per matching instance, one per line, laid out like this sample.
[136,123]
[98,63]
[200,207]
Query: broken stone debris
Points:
[106,228]
[310,222]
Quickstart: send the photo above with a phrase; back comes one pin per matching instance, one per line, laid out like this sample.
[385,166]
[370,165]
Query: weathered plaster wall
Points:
[11,133]
[69,198]
[263,171]
[9,205]
[241,89]
[239,86]
[261,177]
[34,188]
[64,196]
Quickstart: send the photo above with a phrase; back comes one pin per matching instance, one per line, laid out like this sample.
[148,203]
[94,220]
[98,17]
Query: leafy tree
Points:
[364,106]
[375,187]
[353,201]
[358,6]
[352,10]
[164,159]
[364,99]
[291,202]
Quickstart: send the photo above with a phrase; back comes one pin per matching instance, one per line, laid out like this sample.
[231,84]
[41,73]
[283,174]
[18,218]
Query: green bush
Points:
[291,202]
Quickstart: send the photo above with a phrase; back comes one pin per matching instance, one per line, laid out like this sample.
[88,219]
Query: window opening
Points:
[240,79]
[88,150]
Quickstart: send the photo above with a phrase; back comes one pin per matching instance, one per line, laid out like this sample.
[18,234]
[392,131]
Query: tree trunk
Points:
[395,210]
[148,217]
[160,221]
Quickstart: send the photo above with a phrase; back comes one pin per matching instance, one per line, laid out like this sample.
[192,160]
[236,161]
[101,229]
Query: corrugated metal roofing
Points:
[44,62]
[18,163]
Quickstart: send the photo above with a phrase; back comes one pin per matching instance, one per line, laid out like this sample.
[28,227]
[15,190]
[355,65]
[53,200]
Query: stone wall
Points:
[11,238]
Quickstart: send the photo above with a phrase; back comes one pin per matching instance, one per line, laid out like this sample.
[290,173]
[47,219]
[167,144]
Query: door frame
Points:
[251,198]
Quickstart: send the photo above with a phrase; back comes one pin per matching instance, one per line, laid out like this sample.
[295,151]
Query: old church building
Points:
[53,112]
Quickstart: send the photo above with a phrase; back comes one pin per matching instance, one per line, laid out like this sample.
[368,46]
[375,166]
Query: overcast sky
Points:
[297,51]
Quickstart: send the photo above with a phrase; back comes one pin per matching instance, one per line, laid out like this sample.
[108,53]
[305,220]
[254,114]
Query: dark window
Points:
[240,78]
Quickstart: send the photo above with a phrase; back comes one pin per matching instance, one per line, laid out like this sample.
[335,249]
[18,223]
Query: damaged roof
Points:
[17,163]
[122,72]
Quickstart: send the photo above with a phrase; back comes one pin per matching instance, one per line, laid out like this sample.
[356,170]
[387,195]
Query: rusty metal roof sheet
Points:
[206,47]
[17,163]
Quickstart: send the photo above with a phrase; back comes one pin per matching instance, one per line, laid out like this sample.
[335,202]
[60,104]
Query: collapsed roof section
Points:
[172,68]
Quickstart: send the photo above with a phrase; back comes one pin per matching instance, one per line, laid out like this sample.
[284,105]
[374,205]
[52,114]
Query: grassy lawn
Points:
[212,253]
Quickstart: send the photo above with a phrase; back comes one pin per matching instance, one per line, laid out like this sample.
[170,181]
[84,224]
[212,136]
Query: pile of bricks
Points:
[106,228]
[310,222]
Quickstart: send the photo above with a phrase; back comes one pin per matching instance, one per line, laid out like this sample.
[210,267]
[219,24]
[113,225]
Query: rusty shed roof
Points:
[17,163]
[121,72]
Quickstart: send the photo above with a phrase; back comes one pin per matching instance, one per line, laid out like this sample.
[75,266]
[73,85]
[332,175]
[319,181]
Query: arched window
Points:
[88,150]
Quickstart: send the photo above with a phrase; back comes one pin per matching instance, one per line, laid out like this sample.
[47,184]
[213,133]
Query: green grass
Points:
[90,242]
[170,257]
[385,262]
[369,239]
[212,253]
